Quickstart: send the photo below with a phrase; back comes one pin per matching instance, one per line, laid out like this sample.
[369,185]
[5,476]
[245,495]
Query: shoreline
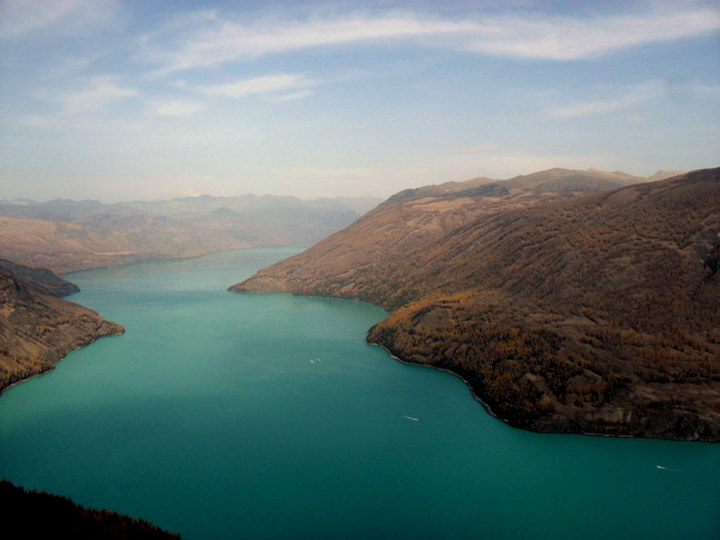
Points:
[492,413]
[470,388]
[52,364]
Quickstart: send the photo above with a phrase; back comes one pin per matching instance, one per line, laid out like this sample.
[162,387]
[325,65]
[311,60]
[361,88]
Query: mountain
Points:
[549,181]
[66,235]
[412,219]
[566,309]
[36,327]
[39,280]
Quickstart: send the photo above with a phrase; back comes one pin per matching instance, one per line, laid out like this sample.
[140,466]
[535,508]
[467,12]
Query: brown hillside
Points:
[355,262]
[66,235]
[37,330]
[66,247]
[594,314]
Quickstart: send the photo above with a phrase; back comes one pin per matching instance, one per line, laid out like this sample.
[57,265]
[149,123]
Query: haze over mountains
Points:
[65,235]
[564,309]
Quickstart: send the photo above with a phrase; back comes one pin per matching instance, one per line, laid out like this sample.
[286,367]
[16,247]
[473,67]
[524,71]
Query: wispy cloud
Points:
[293,96]
[220,41]
[211,40]
[267,84]
[177,108]
[19,18]
[621,99]
[101,92]
[572,38]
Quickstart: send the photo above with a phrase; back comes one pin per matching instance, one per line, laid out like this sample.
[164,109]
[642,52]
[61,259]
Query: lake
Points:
[223,415]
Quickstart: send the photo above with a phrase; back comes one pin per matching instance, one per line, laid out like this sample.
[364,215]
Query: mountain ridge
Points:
[65,235]
[594,313]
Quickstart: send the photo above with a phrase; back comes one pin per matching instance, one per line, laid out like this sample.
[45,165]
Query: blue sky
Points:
[146,100]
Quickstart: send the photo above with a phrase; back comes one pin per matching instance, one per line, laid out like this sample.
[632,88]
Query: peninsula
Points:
[37,328]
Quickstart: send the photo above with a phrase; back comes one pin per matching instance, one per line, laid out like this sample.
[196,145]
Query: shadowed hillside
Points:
[42,515]
[40,280]
[597,313]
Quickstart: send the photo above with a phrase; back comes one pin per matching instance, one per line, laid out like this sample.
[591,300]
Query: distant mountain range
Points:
[66,235]
[570,301]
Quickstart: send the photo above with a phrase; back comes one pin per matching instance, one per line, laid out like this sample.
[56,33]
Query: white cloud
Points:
[210,40]
[177,108]
[293,96]
[102,91]
[633,96]
[57,17]
[227,41]
[571,38]
[21,17]
[267,84]
[622,99]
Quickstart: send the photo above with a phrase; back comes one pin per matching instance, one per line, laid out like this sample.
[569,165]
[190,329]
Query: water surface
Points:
[221,415]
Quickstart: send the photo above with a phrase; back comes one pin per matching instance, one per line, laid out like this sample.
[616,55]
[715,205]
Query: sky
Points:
[120,100]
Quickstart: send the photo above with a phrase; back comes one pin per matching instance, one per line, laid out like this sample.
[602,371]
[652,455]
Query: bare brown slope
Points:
[600,314]
[37,330]
[66,247]
[66,235]
[354,263]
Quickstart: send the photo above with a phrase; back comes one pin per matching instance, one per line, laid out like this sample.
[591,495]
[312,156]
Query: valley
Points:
[65,236]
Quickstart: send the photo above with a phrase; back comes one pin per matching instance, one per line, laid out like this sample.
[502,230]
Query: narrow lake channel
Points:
[221,415]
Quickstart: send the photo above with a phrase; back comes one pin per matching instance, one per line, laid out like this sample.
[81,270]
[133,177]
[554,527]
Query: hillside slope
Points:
[43,515]
[353,262]
[596,314]
[40,280]
[38,329]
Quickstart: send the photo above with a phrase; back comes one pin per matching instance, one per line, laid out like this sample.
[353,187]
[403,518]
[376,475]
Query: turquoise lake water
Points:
[221,415]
